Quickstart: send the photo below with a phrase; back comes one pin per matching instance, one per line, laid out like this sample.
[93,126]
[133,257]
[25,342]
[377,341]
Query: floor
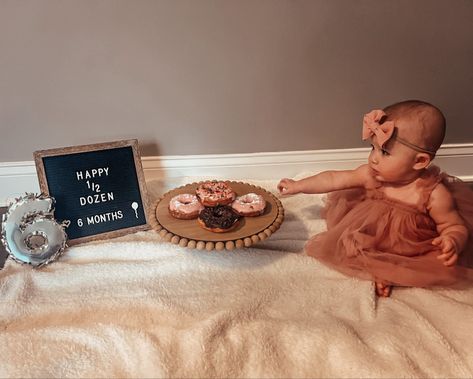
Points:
[3,252]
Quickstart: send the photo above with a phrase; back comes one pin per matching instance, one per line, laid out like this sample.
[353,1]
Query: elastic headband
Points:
[412,146]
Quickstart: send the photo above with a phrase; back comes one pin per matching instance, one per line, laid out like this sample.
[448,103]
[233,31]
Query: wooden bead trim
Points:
[198,244]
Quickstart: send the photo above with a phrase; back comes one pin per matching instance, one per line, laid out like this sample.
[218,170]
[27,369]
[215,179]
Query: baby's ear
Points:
[422,160]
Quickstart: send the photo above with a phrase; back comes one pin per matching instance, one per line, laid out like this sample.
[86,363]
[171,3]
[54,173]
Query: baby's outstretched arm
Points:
[453,233]
[328,181]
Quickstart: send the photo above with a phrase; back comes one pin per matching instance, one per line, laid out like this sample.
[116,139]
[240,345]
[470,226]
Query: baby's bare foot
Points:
[383,289]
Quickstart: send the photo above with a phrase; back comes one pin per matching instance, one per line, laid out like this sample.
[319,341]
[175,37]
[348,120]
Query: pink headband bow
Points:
[372,127]
[384,131]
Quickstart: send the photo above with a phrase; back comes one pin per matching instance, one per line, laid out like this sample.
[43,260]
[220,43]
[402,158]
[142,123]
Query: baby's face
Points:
[393,162]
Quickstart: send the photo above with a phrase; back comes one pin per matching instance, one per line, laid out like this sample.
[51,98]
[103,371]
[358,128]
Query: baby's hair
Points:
[430,124]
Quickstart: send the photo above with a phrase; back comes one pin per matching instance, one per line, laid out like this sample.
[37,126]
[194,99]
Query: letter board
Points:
[99,188]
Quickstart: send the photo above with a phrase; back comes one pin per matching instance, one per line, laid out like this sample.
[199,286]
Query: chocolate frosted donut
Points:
[218,219]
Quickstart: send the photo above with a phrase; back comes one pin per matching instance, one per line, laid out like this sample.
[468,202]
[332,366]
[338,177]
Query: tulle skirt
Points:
[376,238]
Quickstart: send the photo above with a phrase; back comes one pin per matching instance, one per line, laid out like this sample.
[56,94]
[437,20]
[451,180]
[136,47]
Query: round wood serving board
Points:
[190,234]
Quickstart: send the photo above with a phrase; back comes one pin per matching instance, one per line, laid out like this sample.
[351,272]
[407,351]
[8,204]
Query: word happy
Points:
[93,173]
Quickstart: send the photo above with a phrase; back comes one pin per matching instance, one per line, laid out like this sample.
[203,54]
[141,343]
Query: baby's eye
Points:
[385,152]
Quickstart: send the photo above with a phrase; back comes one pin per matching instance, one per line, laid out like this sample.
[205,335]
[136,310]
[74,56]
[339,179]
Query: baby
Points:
[395,220]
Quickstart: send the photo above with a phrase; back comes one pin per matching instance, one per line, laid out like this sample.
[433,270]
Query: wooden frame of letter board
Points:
[43,183]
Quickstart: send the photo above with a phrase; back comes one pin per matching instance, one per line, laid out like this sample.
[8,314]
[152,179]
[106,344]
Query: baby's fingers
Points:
[283,185]
[282,188]
[437,241]
[444,244]
[445,255]
[449,259]
[448,253]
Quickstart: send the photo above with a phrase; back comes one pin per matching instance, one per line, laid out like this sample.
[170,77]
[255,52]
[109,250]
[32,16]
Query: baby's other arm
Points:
[453,233]
[328,181]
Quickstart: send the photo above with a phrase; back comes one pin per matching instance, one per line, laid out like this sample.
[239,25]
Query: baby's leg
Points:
[383,289]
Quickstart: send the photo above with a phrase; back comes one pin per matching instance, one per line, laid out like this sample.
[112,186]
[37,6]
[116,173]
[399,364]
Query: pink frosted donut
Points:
[250,204]
[214,193]
[185,206]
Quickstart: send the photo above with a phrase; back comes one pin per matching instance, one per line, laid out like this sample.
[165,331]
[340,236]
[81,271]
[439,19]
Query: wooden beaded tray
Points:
[188,233]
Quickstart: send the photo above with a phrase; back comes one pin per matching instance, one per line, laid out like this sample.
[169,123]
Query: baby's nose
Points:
[373,159]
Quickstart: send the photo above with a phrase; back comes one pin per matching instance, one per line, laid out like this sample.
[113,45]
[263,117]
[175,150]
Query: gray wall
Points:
[216,76]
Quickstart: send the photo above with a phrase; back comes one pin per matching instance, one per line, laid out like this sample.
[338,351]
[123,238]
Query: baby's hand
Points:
[287,187]
[448,248]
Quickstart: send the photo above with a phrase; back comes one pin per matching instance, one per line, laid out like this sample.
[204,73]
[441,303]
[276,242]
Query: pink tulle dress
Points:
[373,237]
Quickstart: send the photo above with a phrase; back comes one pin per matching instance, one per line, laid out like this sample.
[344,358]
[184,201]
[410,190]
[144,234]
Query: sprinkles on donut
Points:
[214,193]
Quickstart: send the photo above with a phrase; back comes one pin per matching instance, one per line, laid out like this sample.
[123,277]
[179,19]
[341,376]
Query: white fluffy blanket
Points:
[139,307]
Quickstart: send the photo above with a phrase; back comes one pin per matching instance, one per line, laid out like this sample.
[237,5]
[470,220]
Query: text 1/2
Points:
[93,186]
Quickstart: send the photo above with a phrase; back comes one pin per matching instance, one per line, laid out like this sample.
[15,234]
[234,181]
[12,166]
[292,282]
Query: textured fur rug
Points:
[136,306]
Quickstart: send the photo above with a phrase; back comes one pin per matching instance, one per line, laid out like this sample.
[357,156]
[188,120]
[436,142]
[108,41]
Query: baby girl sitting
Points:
[395,220]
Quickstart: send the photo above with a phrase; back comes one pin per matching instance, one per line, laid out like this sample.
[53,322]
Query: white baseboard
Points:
[16,178]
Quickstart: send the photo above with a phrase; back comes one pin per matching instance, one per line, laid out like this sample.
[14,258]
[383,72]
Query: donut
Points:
[214,193]
[185,206]
[218,219]
[250,204]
